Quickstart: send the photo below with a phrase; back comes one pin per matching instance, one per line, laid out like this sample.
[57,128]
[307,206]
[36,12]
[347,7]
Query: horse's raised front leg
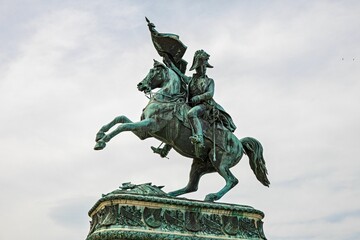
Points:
[199,167]
[120,119]
[140,128]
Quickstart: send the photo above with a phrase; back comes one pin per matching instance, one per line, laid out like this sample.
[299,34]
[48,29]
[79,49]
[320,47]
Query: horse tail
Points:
[254,150]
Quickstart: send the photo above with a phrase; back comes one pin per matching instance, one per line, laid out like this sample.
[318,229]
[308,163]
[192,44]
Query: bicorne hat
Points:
[200,58]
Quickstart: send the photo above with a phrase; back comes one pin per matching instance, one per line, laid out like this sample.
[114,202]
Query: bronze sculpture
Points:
[183,115]
[200,95]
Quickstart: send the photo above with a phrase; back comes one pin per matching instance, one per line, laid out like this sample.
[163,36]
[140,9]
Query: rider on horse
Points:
[201,92]
[200,99]
[200,88]
[169,119]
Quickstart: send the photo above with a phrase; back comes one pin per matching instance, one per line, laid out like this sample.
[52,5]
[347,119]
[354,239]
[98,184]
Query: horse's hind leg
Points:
[199,167]
[223,168]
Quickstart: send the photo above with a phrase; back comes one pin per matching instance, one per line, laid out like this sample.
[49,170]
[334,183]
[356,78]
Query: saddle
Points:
[207,122]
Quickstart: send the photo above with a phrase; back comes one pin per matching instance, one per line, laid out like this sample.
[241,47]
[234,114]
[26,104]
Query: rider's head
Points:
[200,61]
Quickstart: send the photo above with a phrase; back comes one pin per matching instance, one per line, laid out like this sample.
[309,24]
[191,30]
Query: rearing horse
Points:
[162,120]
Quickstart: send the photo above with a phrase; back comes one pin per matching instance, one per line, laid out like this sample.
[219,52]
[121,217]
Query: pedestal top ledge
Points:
[146,212]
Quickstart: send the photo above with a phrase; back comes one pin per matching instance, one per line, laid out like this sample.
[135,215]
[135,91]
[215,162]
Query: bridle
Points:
[176,98]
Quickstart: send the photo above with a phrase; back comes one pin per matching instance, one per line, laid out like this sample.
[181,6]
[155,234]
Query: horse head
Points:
[154,79]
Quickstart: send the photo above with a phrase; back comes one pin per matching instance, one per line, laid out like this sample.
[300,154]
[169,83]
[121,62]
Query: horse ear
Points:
[158,64]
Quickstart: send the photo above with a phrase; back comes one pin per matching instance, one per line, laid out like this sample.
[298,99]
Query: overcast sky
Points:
[287,71]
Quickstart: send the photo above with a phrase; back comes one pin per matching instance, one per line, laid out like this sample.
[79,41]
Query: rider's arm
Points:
[209,93]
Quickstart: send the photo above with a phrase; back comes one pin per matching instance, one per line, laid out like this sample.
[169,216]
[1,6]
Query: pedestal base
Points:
[144,212]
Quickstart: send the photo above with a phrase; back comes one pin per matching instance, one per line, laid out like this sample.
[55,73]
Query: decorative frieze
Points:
[125,215]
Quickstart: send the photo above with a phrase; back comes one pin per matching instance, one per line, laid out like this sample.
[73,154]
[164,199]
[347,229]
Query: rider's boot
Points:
[197,138]
[163,152]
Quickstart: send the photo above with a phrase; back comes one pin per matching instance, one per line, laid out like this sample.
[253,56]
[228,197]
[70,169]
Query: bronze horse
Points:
[163,118]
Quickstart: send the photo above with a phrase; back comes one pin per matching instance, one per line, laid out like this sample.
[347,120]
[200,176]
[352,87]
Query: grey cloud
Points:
[72,67]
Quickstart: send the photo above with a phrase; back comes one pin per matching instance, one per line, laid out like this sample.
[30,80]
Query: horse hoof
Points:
[100,145]
[99,136]
[172,194]
[211,197]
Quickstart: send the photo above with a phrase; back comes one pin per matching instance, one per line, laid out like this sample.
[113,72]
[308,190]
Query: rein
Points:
[180,97]
[172,98]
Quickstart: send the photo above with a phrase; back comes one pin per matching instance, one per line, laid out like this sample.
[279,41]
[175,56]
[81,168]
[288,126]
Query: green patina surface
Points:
[139,212]
[184,115]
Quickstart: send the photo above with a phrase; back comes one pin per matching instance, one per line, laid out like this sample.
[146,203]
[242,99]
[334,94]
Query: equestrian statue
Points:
[183,115]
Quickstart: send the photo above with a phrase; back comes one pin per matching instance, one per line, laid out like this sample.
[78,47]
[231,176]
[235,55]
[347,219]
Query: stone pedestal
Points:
[144,212]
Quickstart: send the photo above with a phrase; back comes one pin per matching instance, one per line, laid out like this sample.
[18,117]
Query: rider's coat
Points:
[202,87]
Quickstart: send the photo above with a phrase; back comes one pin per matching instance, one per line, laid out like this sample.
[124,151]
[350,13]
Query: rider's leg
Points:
[193,116]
